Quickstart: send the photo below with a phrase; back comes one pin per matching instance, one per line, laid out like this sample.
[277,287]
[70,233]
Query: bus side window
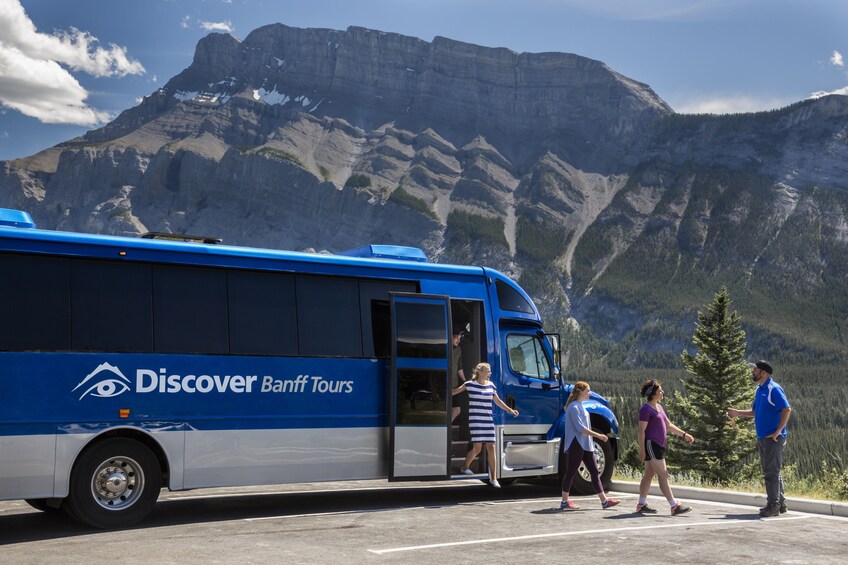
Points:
[111,307]
[328,316]
[190,310]
[263,315]
[381,329]
[34,303]
[376,318]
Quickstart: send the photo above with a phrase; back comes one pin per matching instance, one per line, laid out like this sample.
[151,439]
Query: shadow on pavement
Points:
[35,525]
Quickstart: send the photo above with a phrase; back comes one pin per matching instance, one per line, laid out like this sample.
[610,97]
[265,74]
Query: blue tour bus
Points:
[132,364]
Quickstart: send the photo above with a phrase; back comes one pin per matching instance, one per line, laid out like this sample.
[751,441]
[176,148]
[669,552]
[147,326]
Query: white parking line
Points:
[316,514]
[746,522]
[392,509]
[837,518]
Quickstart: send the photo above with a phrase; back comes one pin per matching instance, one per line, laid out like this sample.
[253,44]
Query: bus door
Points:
[419,414]
[530,384]
[529,376]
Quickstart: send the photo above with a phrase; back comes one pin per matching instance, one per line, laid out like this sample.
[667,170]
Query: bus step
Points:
[458,462]
[476,476]
[533,468]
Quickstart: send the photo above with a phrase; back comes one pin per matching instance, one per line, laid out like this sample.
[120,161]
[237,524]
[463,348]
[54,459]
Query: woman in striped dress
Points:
[481,393]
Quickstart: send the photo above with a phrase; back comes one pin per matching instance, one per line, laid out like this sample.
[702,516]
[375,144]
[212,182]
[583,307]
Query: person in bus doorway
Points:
[481,393]
[771,413]
[579,448]
[456,364]
[653,430]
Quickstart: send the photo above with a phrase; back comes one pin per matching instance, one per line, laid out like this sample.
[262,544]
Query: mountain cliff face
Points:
[577,181]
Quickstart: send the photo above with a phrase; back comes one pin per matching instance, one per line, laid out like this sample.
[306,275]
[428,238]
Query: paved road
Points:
[444,523]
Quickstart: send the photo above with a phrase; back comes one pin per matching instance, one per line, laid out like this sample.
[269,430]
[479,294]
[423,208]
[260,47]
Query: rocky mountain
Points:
[577,181]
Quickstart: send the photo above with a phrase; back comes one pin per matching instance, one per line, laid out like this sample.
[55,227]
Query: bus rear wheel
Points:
[114,484]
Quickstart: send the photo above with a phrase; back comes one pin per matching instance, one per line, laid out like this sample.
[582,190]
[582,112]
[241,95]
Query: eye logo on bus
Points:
[106,384]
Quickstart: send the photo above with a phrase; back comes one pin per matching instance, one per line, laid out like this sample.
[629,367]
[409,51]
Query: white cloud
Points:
[836,59]
[226,26]
[33,77]
[841,91]
[185,22]
[77,49]
[4,135]
[729,105]
[43,90]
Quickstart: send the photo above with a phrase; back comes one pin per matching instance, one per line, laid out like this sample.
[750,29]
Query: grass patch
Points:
[832,485]
[84,144]
[281,155]
[402,197]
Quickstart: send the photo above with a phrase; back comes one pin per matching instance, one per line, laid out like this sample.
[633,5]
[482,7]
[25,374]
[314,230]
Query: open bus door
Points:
[419,414]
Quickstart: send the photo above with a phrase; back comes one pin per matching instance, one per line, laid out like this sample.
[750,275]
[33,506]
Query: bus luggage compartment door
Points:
[419,415]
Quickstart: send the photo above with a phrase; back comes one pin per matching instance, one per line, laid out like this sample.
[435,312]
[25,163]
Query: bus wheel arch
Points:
[144,438]
[114,483]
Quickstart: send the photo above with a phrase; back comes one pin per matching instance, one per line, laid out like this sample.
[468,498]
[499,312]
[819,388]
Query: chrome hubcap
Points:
[117,483]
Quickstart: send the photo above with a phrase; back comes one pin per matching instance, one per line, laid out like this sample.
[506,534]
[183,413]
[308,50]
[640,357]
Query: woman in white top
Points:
[579,448]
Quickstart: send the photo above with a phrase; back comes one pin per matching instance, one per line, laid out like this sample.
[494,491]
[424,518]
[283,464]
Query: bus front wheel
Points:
[114,484]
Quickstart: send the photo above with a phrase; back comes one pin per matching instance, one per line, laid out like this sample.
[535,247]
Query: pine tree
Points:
[719,378]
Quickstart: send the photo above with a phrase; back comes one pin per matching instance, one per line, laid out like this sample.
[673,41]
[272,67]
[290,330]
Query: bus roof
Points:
[18,234]
[26,238]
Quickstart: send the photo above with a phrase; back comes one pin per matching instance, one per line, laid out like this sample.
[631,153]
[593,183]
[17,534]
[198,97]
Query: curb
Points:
[825,507]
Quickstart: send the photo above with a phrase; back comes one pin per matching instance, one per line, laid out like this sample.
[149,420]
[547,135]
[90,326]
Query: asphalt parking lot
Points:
[380,522]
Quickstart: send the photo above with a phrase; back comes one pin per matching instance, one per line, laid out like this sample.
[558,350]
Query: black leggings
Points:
[576,454]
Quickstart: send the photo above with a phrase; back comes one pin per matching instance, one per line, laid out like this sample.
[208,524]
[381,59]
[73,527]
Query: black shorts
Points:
[653,450]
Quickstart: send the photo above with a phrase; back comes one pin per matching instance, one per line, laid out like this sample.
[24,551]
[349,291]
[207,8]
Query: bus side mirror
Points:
[553,339]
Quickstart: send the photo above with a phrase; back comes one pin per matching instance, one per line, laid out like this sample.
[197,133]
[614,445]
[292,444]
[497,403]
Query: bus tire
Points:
[582,484]
[114,484]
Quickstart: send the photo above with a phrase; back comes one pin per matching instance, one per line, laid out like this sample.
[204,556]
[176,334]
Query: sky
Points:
[68,66]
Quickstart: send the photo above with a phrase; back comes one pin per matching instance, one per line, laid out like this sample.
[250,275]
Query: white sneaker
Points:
[467,471]
[494,483]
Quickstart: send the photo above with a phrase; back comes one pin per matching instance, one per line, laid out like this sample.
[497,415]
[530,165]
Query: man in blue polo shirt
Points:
[771,413]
